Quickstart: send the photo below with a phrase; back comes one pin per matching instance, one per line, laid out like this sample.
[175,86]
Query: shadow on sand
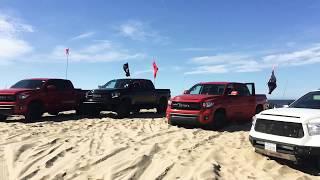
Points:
[71,116]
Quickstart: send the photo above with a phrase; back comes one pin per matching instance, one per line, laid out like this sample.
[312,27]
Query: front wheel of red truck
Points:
[34,113]
[219,120]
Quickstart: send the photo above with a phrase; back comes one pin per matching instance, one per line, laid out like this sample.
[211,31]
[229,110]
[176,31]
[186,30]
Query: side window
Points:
[53,83]
[59,84]
[149,85]
[229,89]
[250,88]
[136,85]
[196,89]
[68,84]
[243,90]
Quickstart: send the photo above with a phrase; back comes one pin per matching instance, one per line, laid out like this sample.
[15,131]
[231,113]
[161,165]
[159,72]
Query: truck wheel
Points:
[34,112]
[123,109]
[3,117]
[259,109]
[162,107]
[136,110]
[219,120]
[80,110]
[93,111]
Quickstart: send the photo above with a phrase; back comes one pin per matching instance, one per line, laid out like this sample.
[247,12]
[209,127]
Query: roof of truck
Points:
[44,79]
[216,83]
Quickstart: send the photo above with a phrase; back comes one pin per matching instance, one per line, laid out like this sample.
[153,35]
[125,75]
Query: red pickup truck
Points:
[213,104]
[33,97]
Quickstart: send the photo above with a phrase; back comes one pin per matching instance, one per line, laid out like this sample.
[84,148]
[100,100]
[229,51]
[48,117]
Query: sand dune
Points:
[133,148]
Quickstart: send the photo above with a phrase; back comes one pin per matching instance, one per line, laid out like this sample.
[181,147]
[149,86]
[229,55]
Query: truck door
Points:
[68,95]
[233,103]
[150,92]
[53,96]
[252,100]
[247,100]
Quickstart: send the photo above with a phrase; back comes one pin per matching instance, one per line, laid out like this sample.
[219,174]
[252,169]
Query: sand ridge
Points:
[133,148]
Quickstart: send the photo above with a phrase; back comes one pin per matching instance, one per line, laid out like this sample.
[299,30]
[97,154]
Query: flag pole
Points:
[67,65]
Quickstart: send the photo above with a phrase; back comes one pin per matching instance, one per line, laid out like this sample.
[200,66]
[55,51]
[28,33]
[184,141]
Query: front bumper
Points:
[190,117]
[183,119]
[107,105]
[7,110]
[285,151]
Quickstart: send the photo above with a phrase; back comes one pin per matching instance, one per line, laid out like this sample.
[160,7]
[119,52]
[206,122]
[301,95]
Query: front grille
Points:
[7,98]
[186,105]
[279,128]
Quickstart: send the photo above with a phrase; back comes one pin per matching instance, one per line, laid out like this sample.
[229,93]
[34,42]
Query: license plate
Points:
[270,147]
[96,96]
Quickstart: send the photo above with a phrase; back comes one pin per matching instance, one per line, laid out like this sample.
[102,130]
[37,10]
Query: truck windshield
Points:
[29,84]
[208,89]
[119,84]
[310,100]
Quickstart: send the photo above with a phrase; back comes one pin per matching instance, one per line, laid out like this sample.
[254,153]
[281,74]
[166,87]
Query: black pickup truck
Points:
[126,95]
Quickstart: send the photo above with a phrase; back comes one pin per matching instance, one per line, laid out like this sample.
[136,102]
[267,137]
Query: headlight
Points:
[23,96]
[254,119]
[313,129]
[169,102]
[208,104]
[115,94]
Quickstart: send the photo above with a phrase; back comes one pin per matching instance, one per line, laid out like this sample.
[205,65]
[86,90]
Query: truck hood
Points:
[13,91]
[194,98]
[291,114]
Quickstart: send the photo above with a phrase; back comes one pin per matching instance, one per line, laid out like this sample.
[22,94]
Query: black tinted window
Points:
[242,89]
[59,84]
[149,85]
[29,84]
[310,100]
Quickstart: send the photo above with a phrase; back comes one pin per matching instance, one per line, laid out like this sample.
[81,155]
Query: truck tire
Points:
[34,113]
[219,120]
[162,106]
[3,117]
[80,110]
[135,110]
[123,109]
[259,108]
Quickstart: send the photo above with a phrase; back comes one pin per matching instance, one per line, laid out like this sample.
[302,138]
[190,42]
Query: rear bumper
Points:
[285,151]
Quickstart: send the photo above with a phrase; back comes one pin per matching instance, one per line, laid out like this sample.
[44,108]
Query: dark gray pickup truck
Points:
[126,95]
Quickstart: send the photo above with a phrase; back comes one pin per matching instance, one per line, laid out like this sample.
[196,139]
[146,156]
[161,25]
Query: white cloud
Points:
[209,69]
[83,36]
[12,46]
[197,49]
[223,63]
[148,71]
[137,30]
[102,51]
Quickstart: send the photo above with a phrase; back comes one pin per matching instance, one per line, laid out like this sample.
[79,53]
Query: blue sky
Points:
[192,41]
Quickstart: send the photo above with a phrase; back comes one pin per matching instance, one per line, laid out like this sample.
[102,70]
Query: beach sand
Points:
[71,147]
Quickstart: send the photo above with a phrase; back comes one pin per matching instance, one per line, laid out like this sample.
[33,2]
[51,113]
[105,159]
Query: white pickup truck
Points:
[291,133]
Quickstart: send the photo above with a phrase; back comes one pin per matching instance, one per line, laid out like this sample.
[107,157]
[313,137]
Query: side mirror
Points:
[234,93]
[100,87]
[51,88]
[186,92]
